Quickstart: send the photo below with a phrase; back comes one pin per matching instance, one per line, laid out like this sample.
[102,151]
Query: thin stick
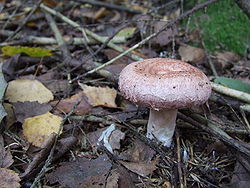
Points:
[168,25]
[88,32]
[179,159]
[25,20]
[231,92]
[50,41]
[108,5]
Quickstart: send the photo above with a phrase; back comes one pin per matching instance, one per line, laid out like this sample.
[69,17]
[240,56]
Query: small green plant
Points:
[223,26]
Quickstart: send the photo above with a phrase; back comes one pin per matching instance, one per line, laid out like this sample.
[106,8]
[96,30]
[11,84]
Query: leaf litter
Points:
[99,145]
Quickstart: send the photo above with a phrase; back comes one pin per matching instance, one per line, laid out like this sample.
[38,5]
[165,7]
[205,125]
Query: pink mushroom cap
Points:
[161,83]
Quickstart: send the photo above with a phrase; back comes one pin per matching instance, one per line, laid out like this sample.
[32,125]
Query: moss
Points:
[223,26]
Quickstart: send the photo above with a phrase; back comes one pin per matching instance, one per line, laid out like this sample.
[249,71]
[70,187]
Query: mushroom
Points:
[164,85]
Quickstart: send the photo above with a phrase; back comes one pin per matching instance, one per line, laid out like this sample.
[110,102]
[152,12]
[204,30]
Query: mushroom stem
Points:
[161,125]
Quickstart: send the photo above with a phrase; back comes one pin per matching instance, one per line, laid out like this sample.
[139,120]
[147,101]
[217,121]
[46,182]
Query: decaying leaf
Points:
[112,181]
[22,90]
[100,96]
[141,168]
[27,109]
[9,178]
[31,51]
[37,129]
[66,105]
[191,54]
[139,157]
[82,172]
[138,152]
[166,36]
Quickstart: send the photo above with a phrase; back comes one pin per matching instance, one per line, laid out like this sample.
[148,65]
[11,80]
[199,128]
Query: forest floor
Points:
[64,122]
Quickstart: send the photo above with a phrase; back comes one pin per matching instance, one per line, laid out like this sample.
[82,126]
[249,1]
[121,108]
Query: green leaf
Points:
[30,51]
[233,84]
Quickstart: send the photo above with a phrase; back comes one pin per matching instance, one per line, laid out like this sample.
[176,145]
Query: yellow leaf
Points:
[38,128]
[28,90]
[127,32]
[100,96]
[31,51]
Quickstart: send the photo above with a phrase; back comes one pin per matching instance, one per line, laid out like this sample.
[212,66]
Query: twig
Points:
[25,20]
[88,32]
[168,25]
[179,159]
[218,133]
[109,5]
[50,41]
[100,48]
[245,107]
[231,92]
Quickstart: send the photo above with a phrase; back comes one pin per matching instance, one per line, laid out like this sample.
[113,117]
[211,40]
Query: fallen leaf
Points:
[166,36]
[100,96]
[38,128]
[240,178]
[66,105]
[233,83]
[31,51]
[82,172]
[41,156]
[141,168]
[112,180]
[191,54]
[22,90]
[127,32]
[23,110]
[227,57]
[6,159]
[138,152]
[9,178]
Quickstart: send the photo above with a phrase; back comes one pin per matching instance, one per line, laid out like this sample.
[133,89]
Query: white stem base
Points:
[161,125]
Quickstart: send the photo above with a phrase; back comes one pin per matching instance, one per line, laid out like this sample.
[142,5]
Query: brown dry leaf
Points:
[37,129]
[241,177]
[22,90]
[141,168]
[139,152]
[40,157]
[23,110]
[166,36]
[112,180]
[9,178]
[6,159]
[82,172]
[100,96]
[226,59]
[191,54]
[66,105]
